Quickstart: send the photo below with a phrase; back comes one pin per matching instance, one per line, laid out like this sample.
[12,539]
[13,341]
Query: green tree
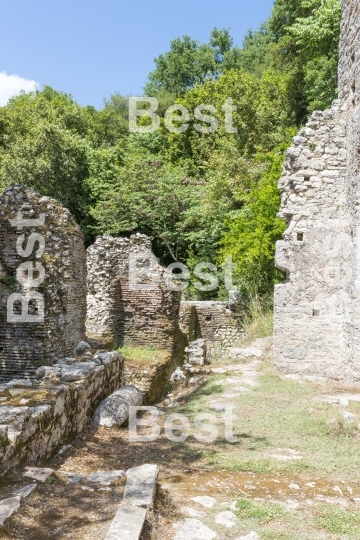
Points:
[136,191]
[255,55]
[252,231]
[317,37]
[261,118]
[306,47]
[189,63]
[45,143]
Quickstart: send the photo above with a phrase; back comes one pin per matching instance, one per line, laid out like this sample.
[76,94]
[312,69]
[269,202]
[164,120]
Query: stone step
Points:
[127,524]
[8,507]
[140,486]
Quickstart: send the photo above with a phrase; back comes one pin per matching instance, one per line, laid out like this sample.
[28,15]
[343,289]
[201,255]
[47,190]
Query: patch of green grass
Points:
[260,466]
[261,512]
[338,521]
[274,535]
[9,281]
[271,382]
[145,354]
[258,321]
[49,480]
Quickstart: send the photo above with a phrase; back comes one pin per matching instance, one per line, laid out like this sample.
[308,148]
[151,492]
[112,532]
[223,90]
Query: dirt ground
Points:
[292,474]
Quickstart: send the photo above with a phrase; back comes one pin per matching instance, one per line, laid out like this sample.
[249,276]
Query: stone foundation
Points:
[38,417]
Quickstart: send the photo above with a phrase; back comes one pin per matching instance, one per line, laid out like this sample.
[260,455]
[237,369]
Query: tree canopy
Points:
[201,197]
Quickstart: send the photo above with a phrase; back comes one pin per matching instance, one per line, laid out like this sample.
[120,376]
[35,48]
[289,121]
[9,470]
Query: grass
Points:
[258,320]
[281,414]
[261,512]
[142,354]
[338,521]
[270,419]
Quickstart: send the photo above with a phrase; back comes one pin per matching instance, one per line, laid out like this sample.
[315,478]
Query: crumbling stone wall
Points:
[37,417]
[24,346]
[317,318]
[130,306]
[216,322]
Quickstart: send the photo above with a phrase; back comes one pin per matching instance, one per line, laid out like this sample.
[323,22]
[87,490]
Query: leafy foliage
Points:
[200,197]
[189,63]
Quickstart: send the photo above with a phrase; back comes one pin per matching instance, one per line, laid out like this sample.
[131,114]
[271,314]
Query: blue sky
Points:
[91,48]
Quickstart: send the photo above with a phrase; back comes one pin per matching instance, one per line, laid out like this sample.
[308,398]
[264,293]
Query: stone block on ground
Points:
[140,486]
[177,376]
[248,352]
[348,417]
[226,519]
[220,407]
[127,524]
[193,529]
[114,410]
[38,473]
[68,477]
[196,351]
[25,491]
[205,500]
[8,507]
[106,478]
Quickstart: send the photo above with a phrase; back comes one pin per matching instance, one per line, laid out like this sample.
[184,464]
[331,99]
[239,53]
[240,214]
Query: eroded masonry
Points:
[129,299]
[219,323]
[317,310]
[42,283]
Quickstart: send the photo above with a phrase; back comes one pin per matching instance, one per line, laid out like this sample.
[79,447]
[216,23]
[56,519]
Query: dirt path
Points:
[292,473]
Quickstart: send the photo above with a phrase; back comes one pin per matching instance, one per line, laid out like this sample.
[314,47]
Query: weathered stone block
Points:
[56,413]
[114,410]
[127,524]
[140,486]
[8,507]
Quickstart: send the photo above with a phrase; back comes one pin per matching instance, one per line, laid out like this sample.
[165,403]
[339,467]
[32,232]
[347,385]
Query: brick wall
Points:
[120,312]
[26,345]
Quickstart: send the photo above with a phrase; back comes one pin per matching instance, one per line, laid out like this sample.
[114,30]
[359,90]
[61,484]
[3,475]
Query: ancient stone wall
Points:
[219,325]
[37,417]
[317,317]
[41,246]
[128,299]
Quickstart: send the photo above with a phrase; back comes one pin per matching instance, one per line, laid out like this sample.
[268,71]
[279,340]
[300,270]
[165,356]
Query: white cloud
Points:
[10,85]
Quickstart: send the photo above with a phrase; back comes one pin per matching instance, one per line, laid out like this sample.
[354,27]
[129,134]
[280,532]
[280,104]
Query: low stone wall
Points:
[153,376]
[38,417]
[219,325]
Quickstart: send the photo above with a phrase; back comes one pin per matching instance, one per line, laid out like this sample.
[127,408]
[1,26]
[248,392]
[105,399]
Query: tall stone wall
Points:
[317,317]
[129,306]
[41,246]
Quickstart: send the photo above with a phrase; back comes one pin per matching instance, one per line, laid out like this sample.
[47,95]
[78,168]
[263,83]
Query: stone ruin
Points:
[42,283]
[317,309]
[219,323]
[129,301]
